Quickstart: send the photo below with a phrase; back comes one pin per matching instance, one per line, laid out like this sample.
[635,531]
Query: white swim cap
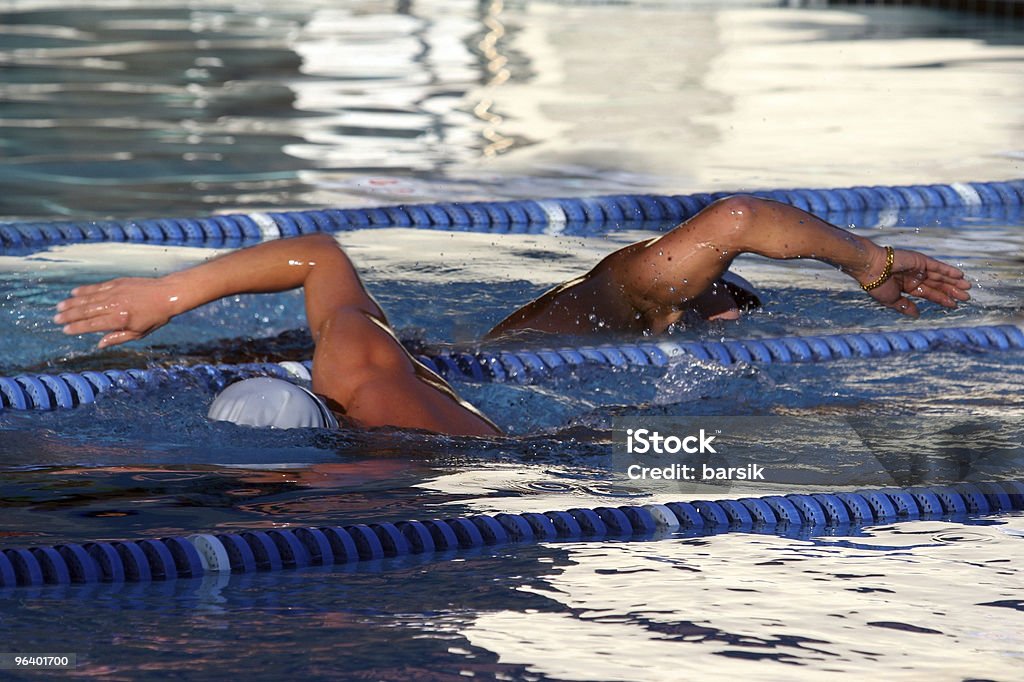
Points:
[265,401]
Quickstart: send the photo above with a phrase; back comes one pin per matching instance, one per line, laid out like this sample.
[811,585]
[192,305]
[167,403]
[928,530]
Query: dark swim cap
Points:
[743,292]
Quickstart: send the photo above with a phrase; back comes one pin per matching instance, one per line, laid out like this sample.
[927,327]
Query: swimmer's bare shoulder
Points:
[360,365]
[357,357]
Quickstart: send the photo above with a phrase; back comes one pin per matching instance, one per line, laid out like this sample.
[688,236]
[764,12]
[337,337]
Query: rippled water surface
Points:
[111,109]
[119,108]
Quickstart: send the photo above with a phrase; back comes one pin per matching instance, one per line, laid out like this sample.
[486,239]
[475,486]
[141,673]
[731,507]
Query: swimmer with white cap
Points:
[366,376]
[271,402]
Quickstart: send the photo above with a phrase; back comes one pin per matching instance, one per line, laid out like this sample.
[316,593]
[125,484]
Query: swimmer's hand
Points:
[127,308]
[915,274]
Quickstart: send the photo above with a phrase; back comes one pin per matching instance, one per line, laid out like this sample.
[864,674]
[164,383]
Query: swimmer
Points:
[368,379]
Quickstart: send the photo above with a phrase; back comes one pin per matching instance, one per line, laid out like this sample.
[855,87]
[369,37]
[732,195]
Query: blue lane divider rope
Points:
[859,206]
[73,389]
[203,553]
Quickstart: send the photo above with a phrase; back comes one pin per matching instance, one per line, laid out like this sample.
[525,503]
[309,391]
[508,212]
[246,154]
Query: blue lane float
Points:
[68,390]
[199,554]
[854,206]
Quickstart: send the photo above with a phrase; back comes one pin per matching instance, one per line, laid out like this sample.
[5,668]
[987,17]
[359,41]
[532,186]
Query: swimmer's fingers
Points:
[946,295]
[912,263]
[943,293]
[119,337]
[956,287]
[83,308]
[90,289]
[88,294]
[99,323]
[943,271]
[915,274]
[116,325]
[84,301]
[906,306]
[960,282]
[126,309]
[893,294]
[935,279]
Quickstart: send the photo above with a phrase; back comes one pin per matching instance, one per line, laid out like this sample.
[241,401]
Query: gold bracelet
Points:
[890,255]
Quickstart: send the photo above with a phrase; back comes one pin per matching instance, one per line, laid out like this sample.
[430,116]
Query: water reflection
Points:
[177,109]
[765,608]
[183,108]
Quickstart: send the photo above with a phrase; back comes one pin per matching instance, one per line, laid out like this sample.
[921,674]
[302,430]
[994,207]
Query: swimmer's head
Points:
[273,403]
[743,292]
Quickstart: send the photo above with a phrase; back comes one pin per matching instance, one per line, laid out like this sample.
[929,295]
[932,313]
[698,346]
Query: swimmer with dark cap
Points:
[368,378]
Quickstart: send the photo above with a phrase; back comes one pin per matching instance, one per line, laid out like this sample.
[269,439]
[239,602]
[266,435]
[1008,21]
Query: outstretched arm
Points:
[129,308]
[685,262]
[647,286]
[358,362]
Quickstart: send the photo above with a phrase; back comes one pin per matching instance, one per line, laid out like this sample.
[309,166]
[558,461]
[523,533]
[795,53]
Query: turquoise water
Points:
[177,110]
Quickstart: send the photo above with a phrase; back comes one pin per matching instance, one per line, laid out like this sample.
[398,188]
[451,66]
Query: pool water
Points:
[182,109]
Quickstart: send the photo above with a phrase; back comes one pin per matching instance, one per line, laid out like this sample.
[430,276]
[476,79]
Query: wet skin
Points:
[372,381]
